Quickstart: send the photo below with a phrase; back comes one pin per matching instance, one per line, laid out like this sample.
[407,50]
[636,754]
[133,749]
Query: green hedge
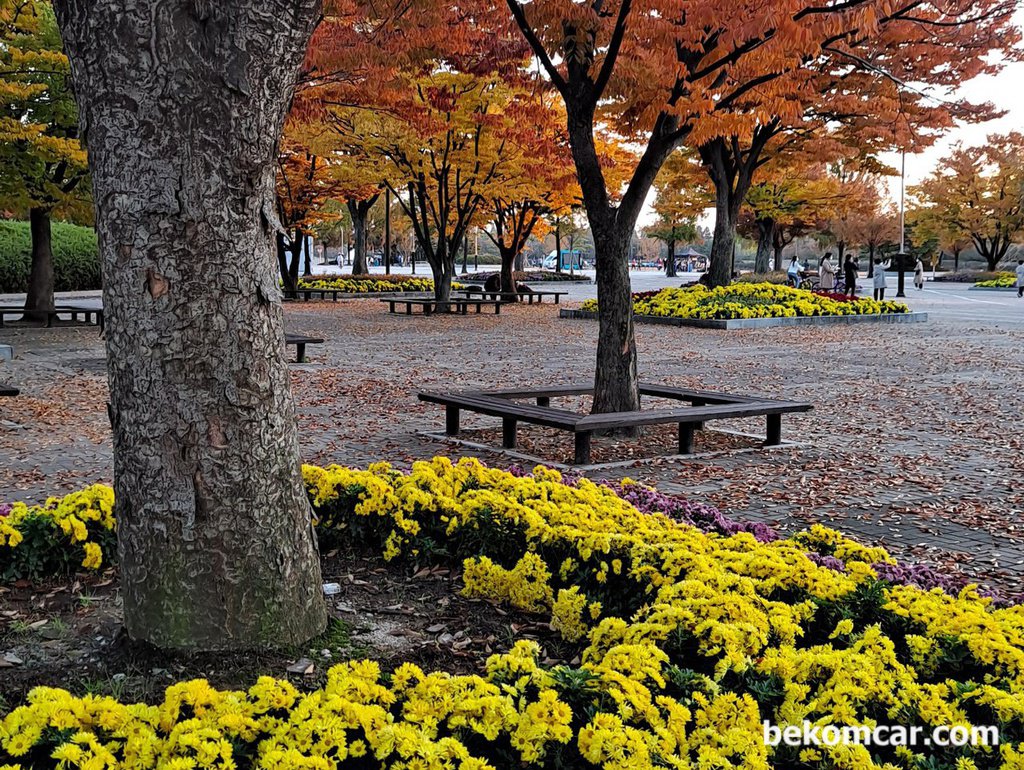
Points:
[76,261]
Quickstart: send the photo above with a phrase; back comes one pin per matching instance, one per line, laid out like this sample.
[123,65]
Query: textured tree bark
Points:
[616,387]
[182,102]
[507,273]
[765,246]
[720,269]
[360,213]
[40,279]
[670,262]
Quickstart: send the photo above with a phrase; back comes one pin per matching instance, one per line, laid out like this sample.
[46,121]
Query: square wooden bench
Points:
[300,341]
[524,296]
[89,314]
[430,306]
[703,407]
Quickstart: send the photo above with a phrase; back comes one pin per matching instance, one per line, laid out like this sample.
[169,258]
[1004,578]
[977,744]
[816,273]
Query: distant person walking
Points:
[1020,278]
[850,276]
[827,273]
[881,284]
[919,275]
[795,268]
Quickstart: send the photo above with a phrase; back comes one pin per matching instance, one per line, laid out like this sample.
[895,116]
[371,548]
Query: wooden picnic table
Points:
[703,407]
[431,306]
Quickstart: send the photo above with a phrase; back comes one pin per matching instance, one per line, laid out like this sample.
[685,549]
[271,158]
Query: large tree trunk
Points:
[871,260]
[39,301]
[181,106]
[289,282]
[616,388]
[720,269]
[765,246]
[507,274]
[359,214]
[443,269]
[670,263]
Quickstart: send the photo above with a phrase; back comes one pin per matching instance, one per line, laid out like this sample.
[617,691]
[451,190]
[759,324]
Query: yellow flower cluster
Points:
[413,721]
[722,610]
[750,300]
[81,525]
[687,641]
[364,284]
[1005,280]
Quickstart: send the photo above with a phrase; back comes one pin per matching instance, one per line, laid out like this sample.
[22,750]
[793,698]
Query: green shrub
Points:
[76,261]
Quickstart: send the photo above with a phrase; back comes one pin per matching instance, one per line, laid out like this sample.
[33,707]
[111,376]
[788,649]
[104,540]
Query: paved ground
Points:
[915,442]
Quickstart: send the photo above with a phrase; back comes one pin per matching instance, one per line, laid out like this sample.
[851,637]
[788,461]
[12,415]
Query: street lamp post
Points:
[902,256]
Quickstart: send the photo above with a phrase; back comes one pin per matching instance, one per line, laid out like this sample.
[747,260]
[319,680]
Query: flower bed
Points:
[368,284]
[740,301]
[687,640]
[1001,281]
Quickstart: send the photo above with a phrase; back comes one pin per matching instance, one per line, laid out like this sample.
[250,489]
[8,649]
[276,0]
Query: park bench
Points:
[300,341]
[528,296]
[89,314]
[704,406]
[8,391]
[306,294]
[429,306]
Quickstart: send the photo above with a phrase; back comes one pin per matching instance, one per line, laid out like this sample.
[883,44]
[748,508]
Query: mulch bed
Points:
[69,633]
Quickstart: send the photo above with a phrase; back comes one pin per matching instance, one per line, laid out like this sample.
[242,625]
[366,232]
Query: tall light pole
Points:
[387,231]
[902,257]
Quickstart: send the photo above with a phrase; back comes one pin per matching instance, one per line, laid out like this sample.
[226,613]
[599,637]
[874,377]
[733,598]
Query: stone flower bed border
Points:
[761,323]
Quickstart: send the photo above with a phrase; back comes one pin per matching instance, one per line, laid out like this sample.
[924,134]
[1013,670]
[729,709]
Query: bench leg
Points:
[543,401]
[300,353]
[451,420]
[508,433]
[556,299]
[686,431]
[582,448]
[774,437]
[408,309]
[497,309]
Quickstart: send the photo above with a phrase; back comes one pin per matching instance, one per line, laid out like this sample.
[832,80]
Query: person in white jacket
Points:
[1020,278]
[881,284]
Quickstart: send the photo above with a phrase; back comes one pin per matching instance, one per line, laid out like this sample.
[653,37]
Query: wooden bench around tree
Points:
[527,296]
[300,341]
[306,294]
[704,406]
[89,314]
[430,306]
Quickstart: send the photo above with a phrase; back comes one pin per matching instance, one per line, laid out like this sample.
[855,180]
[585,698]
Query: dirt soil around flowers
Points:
[69,633]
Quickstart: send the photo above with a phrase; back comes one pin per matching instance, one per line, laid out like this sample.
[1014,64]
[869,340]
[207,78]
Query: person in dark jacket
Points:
[850,276]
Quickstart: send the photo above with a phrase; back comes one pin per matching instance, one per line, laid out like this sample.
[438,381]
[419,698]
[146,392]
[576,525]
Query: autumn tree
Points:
[535,179]
[308,179]
[977,192]
[682,194]
[182,105]
[789,201]
[42,164]
[724,83]
[436,100]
